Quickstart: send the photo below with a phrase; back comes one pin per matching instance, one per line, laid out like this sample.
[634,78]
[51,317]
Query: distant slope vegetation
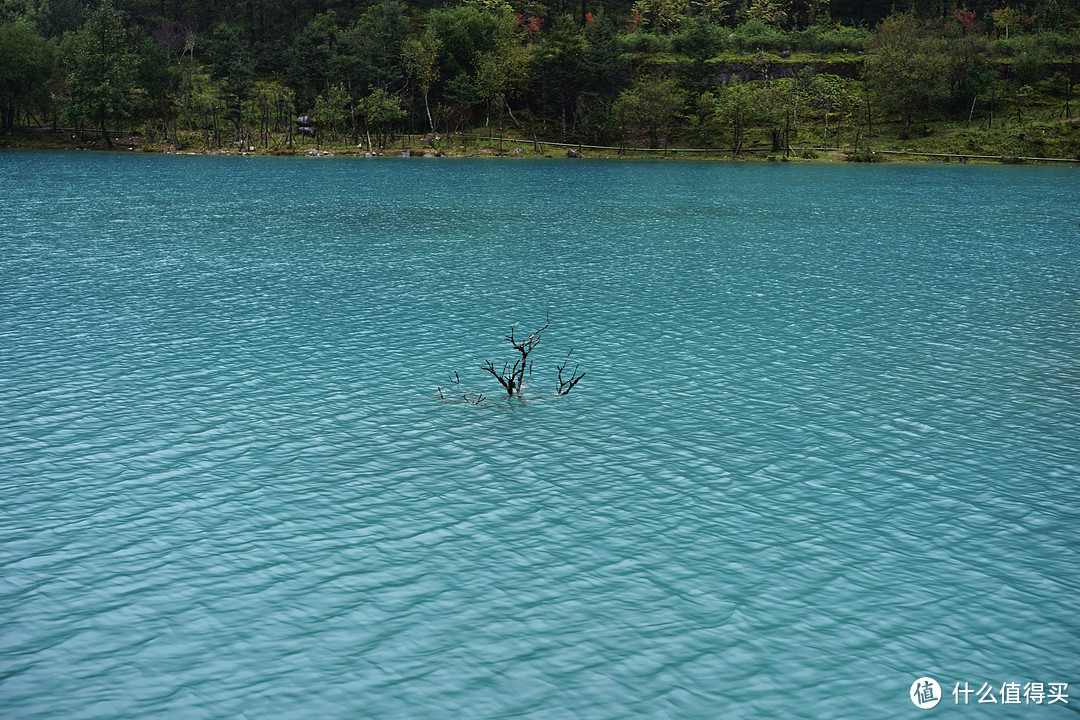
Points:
[780,76]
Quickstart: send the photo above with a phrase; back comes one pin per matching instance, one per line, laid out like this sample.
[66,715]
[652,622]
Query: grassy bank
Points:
[1054,141]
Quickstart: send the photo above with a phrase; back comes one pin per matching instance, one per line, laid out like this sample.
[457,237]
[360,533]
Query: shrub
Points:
[646,42]
[1053,44]
[699,39]
[756,35]
[1029,68]
[825,39]
[865,156]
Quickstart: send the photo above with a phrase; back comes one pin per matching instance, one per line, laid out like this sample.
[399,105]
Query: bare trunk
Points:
[532,130]
[511,113]
[105,133]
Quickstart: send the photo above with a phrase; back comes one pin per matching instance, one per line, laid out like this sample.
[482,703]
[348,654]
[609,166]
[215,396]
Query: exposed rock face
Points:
[304,126]
[752,70]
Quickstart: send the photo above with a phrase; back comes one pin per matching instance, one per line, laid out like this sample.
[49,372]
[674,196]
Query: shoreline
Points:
[413,146]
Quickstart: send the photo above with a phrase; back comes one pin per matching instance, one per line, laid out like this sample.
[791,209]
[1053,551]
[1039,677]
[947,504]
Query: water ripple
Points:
[825,445]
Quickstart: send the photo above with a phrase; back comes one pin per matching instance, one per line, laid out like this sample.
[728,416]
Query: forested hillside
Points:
[652,73]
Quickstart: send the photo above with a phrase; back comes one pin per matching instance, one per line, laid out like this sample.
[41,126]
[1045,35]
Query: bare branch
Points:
[501,377]
[460,393]
[514,375]
[566,386]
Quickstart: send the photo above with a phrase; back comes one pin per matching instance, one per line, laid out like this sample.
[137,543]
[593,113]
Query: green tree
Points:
[230,60]
[14,10]
[1022,95]
[421,55]
[836,98]
[464,32]
[199,101]
[332,110]
[714,12]
[773,13]
[699,40]
[650,107]
[910,67]
[1061,84]
[557,66]
[1030,68]
[25,64]
[738,107]
[157,80]
[232,67]
[313,58]
[704,117]
[1006,19]
[274,107]
[779,103]
[501,73]
[667,16]
[56,17]
[379,109]
[100,70]
[577,72]
[979,79]
[371,49]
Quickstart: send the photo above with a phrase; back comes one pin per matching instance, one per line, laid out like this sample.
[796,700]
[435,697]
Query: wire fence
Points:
[466,140]
[629,150]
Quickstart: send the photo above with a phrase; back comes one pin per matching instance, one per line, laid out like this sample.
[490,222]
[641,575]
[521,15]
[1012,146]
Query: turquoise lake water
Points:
[828,440]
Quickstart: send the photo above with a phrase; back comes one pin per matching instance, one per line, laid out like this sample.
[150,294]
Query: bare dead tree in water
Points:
[566,386]
[458,392]
[513,377]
